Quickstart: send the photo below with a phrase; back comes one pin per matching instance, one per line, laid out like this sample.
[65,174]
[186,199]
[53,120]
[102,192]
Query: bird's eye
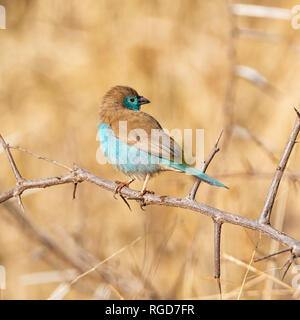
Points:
[131,99]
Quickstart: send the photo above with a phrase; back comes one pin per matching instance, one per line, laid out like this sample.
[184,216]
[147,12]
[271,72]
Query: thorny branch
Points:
[217,225]
[14,169]
[78,175]
[194,189]
[266,212]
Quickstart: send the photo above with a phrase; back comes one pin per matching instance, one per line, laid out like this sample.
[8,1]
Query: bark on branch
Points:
[267,209]
[78,175]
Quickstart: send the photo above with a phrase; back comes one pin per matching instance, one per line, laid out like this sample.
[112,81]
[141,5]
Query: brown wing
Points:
[145,133]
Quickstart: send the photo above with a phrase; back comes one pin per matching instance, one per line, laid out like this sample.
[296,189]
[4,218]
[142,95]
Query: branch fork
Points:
[265,215]
[262,224]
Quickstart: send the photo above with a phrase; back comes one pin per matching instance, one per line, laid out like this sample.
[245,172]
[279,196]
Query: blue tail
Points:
[197,173]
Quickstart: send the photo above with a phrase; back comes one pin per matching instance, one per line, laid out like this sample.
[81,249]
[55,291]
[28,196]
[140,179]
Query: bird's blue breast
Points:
[126,158]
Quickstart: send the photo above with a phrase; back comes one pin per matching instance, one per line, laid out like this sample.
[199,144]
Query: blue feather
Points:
[132,160]
[197,173]
[124,157]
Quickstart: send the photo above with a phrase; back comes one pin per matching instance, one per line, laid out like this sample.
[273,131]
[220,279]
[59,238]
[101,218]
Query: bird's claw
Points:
[143,192]
[141,195]
[140,198]
[120,185]
[118,189]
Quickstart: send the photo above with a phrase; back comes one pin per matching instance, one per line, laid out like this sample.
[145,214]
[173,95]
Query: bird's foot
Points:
[141,199]
[143,192]
[120,186]
[141,195]
[118,189]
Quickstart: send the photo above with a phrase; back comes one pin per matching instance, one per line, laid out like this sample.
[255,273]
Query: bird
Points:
[137,154]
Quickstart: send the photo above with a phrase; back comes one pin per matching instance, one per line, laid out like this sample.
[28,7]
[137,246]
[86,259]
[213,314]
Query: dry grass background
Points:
[58,58]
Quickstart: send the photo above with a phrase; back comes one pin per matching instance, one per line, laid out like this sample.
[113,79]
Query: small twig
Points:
[278,222]
[257,271]
[94,268]
[292,176]
[105,260]
[287,266]
[273,254]
[38,156]
[233,293]
[267,209]
[217,246]
[215,149]
[15,170]
[11,160]
[247,272]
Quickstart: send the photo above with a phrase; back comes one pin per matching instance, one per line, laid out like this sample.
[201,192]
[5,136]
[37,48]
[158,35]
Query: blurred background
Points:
[203,64]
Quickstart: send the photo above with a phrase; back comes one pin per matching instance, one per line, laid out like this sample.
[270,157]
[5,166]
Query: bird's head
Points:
[125,97]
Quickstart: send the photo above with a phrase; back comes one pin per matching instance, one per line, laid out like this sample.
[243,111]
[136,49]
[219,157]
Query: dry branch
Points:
[215,149]
[267,209]
[78,175]
[81,175]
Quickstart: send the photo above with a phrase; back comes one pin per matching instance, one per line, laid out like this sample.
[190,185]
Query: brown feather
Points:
[112,102]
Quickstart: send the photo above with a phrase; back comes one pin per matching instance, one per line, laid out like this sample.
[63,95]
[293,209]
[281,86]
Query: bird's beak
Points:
[143,100]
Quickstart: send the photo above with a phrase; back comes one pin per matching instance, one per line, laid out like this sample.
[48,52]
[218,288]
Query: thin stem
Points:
[217,248]
[287,266]
[11,160]
[267,209]
[38,156]
[272,254]
[215,149]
